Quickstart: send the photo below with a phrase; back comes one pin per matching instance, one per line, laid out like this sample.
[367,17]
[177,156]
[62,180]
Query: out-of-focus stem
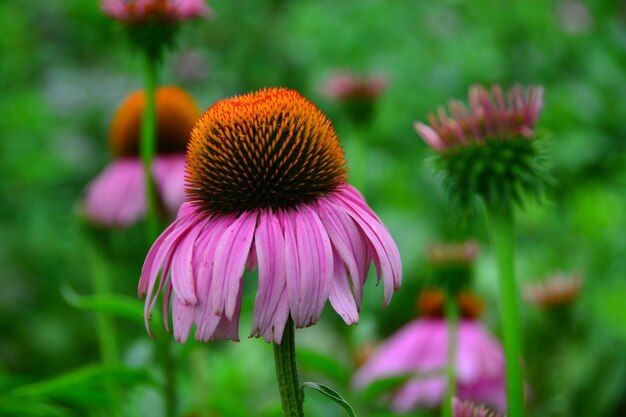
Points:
[501,225]
[452,320]
[148,148]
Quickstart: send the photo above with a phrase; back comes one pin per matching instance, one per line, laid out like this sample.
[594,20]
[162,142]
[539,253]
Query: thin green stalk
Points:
[291,396]
[107,339]
[501,222]
[169,368]
[148,148]
[452,320]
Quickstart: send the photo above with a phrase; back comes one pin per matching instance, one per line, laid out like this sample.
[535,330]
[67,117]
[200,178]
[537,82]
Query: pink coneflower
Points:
[346,85]
[266,186]
[557,290]
[453,254]
[422,347]
[140,11]
[490,116]
[117,196]
[469,409]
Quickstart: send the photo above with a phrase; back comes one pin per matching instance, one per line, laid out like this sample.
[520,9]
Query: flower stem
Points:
[501,230]
[452,319]
[148,147]
[287,373]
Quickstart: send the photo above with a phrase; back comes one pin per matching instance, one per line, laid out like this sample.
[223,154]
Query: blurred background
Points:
[64,68]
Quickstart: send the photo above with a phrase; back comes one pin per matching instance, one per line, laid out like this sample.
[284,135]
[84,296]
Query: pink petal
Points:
[231,254]
[309,266]
[117,196]
[430,136]
[386,253]
[269,305]
[341,295]
[169,176]
[347,242]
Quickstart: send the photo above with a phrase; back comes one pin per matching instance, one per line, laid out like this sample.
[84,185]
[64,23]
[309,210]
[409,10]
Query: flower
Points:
[489,150]
[422,347]
[453,254]
[469,409]
[142,11]
[152,25]
[346,85]
[557,290]
[117,196]
[266,185]
[490,117]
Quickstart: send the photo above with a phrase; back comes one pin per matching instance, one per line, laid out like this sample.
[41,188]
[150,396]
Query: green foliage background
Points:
[64,68]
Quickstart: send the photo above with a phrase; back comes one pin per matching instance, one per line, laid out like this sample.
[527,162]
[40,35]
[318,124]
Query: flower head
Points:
[488,150]
[431,303]
[357,94]
[451,265]
[152,25]
[117,196]
[422,347]
[469,409]
[557,290]
[143,11]
[489,117]
[446,254]
[266,187]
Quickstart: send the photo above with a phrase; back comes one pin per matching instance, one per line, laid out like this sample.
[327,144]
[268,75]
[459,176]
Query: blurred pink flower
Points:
[345,85]
[490,116]
[117,197]
[557,290]
[275,197]
[469,409]
[422,347]
[137,11]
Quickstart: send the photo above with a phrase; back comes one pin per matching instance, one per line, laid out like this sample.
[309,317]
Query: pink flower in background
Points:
[491,116]
[469,409]
[117,197]
[557,290]
[266,186]
[422,347]
[137,11]
[346,85]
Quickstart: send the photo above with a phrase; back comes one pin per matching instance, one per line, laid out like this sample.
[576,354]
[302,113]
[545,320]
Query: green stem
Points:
[107,339]
[501,222]
[287,373]
[148,148]
[169,368]
[452,319]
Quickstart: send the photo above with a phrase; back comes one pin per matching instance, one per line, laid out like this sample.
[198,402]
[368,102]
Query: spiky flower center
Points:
[176,111]
[268,149]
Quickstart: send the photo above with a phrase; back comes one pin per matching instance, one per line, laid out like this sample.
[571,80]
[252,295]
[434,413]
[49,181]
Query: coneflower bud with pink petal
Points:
[152,24]
[489,148]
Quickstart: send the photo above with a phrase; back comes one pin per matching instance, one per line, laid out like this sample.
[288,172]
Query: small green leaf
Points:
[117,305]
[332,394]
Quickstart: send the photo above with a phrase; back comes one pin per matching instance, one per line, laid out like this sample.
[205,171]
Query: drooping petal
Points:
[270,247]
[231,254]
[340,294]
[117,197]
[169,176]
[386,255]
[308,256]
[347,241]
[182,273]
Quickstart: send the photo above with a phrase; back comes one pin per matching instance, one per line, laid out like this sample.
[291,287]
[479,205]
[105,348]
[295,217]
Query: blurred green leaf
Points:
[87,382]
[117,305]
[12,406]
[332,394]
[322,364]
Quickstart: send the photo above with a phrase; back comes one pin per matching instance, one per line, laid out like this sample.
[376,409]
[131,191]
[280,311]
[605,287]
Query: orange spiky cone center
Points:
[268,149]
[176,113]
